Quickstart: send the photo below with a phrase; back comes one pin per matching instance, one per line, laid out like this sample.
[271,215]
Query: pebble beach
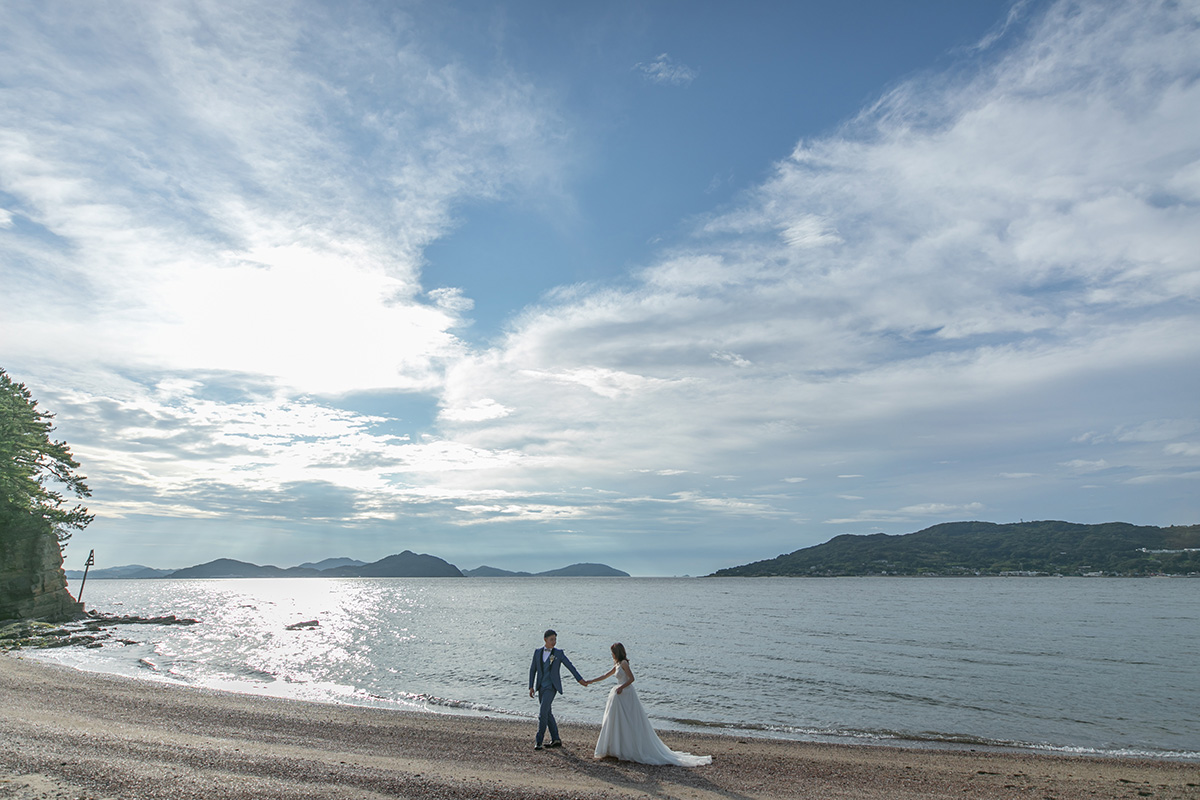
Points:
[71,734]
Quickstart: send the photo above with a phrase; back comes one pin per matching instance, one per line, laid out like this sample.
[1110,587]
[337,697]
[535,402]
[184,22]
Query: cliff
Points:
[32,582]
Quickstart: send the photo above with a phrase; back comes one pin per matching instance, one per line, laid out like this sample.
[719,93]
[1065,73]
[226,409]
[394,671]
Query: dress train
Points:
[627,734]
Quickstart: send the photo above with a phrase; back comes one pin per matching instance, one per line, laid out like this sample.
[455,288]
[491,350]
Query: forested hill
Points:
[986,548]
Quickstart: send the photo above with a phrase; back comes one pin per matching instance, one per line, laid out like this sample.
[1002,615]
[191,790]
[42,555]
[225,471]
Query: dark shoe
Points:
[555,743]
[539,747]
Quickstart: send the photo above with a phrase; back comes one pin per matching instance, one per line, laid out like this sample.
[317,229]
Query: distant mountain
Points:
[128,572]
[573,571]
[494,572]
[402,565]
[229,568]
[585,571]
[332,563]
[986,548]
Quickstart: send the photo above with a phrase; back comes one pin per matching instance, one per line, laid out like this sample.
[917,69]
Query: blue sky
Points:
[668,286]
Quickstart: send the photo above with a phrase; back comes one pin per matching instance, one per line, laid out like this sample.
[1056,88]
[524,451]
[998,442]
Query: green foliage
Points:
[34,469]
[985,548]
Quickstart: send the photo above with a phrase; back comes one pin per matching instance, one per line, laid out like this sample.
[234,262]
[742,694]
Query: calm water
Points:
[1102,666]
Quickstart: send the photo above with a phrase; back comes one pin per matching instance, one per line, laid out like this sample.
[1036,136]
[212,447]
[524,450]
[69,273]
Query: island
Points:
[987,548]
[573,571]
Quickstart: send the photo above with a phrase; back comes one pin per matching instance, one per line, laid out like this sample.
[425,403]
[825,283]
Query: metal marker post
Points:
[91,560]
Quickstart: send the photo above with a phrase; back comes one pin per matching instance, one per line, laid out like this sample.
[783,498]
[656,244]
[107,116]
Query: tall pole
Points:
[91,560]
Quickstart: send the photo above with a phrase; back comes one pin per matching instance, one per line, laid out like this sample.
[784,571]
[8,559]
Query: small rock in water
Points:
[312,623]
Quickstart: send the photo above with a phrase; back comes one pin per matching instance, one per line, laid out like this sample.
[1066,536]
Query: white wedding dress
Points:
[626,732]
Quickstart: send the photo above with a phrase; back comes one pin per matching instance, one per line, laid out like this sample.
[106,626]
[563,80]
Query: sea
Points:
[1091,666]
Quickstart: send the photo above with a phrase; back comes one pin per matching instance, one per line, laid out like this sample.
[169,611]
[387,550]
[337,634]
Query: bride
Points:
[626,732]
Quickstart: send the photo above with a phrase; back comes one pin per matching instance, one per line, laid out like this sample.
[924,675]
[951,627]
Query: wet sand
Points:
[69,734]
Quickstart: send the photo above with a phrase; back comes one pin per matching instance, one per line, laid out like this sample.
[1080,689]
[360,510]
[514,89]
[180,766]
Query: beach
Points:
[71,734]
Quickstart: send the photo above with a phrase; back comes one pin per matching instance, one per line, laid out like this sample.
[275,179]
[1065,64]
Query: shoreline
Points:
[468,711]
[65,732]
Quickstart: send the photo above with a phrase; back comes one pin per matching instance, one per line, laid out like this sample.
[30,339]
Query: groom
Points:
[543,674]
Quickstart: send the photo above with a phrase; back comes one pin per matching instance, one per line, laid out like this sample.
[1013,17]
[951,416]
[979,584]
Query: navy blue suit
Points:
[544,676]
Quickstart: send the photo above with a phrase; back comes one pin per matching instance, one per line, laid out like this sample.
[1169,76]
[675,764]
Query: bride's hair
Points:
[618,652]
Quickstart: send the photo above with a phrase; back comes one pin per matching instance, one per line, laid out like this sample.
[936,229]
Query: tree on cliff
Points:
[35,470]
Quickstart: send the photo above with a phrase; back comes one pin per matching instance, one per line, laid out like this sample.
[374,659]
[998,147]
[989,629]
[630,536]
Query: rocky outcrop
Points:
[32,582]
[89,630]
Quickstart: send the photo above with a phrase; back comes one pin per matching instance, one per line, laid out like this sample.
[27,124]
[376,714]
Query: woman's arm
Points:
[602,677]
[628,672]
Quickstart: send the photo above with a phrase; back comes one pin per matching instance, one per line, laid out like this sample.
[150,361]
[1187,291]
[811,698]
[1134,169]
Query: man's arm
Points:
[574,671]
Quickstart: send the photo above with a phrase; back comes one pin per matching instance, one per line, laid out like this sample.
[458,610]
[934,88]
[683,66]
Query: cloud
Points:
[1016,13]
[245,199]
[478,411]
[731,358]
[667,72]
[911,514]
[1142,480]
[1158,430]
[1083,466]
[168,450]
[921,284]
[809,231]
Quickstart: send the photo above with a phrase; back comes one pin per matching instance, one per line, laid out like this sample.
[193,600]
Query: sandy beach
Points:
[69,734]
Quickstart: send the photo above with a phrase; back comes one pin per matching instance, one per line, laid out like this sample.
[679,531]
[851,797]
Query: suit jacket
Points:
[540,669]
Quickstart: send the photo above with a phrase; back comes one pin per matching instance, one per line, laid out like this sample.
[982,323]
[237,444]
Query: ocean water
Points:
[1073,665]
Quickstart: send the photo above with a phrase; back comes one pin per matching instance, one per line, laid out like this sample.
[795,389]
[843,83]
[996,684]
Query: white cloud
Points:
[167,450]
[1142,480]
[603,382]
[665,70]
[911,514]
[809,231]
[476,412]
[732,358]
[1084,466]
[941,509]
[1158,430]
[246,200]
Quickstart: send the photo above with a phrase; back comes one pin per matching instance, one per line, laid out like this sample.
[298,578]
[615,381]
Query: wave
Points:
[928,739]
[448,703]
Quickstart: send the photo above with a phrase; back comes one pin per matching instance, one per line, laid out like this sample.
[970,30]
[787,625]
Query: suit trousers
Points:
[546,719]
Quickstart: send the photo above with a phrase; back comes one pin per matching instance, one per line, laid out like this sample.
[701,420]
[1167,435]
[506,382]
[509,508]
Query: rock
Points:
[32,582]
[88,630]
[312,623]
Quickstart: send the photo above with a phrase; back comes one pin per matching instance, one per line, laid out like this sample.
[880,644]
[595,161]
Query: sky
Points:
[669,286]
